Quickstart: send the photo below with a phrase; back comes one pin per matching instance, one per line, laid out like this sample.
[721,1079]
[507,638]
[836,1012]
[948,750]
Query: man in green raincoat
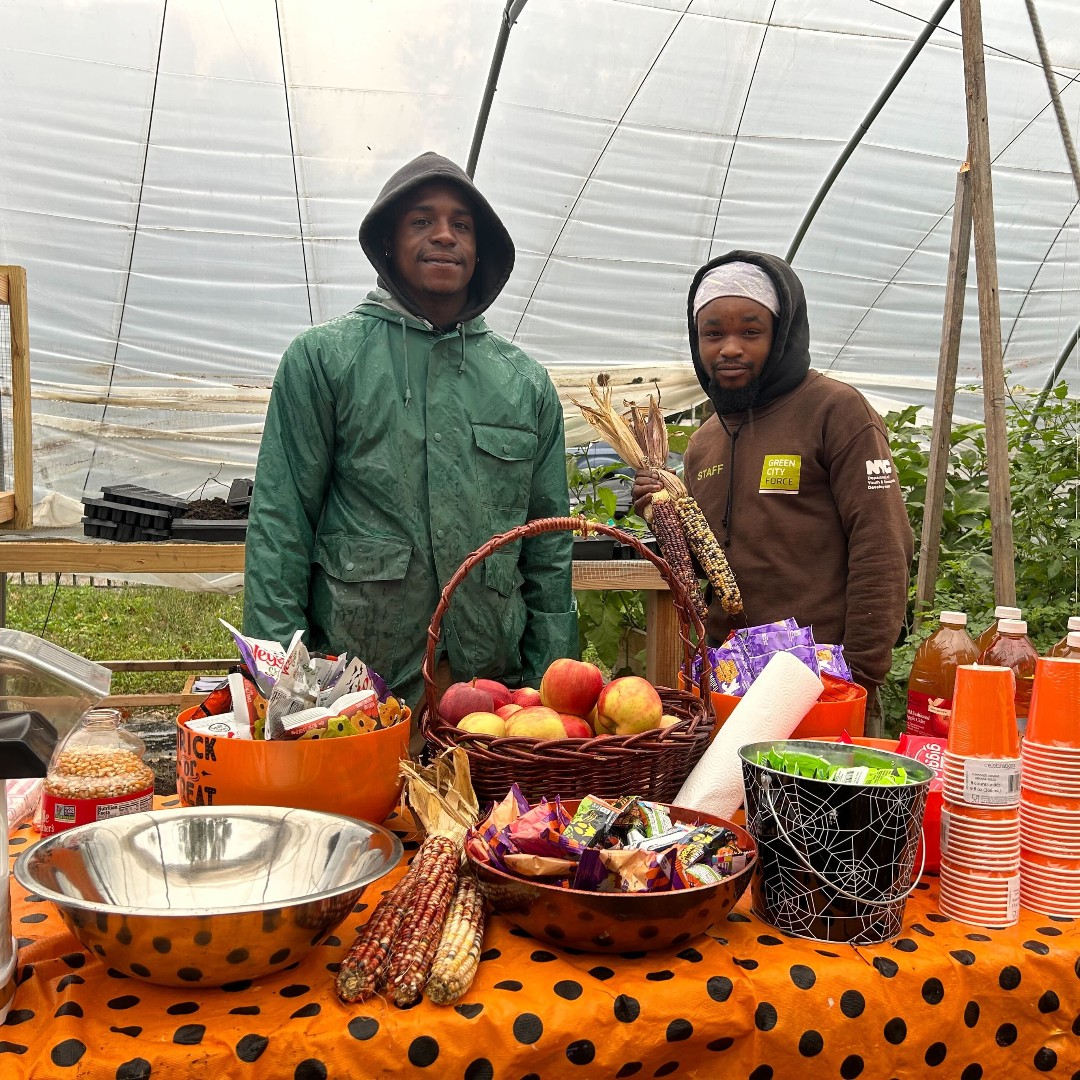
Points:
[399,438]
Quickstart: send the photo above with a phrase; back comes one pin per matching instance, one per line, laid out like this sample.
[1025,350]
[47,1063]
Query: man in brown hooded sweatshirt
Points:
[793,473]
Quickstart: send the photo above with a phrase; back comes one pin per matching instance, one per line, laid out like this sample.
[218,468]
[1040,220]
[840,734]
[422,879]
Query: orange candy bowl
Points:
[610,922]
[356,776]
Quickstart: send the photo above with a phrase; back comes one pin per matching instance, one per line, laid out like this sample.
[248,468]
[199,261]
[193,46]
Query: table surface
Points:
[945,999]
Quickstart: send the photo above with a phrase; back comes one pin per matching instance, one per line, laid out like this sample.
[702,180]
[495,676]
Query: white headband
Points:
[737,279]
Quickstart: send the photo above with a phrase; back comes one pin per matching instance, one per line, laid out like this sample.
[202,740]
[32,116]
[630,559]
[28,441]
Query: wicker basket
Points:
[652,764]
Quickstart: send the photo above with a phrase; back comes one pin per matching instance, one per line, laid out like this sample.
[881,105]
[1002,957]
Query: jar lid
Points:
[1007,613]
[954,618]
[1073,640]
[1012,626]
[1074,622]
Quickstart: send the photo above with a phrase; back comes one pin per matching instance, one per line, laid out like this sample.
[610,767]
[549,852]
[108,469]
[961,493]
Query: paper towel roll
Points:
[772,708]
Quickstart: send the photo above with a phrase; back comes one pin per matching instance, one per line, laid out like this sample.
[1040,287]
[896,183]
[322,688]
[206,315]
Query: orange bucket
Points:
[841,707]
[356,775]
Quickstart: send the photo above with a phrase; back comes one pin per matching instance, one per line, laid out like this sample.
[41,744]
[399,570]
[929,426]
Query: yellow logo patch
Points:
[780,474]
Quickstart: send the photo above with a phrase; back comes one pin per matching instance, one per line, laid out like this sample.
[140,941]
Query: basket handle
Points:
[688,617]
[805,863]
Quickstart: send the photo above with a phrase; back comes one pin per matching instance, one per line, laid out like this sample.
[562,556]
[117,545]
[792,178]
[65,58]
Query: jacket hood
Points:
[494,248]
[789,359]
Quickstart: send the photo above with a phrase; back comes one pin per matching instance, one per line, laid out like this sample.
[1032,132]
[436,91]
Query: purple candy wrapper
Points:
[831,660]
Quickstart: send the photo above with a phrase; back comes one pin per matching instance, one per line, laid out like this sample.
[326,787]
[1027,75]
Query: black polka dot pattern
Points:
[942,999]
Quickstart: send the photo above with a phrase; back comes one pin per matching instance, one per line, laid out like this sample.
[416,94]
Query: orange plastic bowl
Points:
[841,707]
[356,775]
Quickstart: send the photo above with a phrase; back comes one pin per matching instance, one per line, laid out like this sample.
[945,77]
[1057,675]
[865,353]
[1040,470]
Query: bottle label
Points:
[992,781]
[927,714]
[59,812]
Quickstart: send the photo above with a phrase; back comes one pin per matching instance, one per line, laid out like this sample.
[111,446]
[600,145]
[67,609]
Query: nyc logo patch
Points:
[780,474]
[879,474]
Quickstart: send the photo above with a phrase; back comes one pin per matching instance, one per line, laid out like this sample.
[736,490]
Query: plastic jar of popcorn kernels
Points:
[97,773]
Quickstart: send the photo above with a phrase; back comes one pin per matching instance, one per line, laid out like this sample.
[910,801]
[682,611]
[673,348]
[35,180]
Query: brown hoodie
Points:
[801,493]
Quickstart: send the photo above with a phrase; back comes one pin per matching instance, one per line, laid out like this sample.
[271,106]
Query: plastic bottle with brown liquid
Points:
[988,635]
[1061,648]
[1072,647]
[933,673]
[1012,648]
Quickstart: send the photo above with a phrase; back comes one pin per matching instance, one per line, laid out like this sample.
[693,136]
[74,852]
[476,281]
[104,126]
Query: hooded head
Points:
[494,248]
[788,358]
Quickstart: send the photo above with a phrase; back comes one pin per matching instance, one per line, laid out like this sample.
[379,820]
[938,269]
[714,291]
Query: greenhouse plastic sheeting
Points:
[183,182]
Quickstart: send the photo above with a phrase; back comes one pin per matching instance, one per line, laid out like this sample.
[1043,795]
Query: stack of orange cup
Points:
[980,818]
[1050,792]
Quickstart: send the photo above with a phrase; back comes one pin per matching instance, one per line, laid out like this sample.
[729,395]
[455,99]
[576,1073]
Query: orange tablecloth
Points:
[944,1000]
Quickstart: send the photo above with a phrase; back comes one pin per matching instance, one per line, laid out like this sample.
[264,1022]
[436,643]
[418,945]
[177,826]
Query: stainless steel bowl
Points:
[208,895]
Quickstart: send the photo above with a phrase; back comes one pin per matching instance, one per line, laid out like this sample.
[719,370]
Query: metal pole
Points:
[509,17]
[864,127]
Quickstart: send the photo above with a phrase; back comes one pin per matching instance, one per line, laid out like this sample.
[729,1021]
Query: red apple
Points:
[525,697]
[576,728]
[461,699]
[571,686]
[499,694]
[629,705]
[508,710]
[536,722]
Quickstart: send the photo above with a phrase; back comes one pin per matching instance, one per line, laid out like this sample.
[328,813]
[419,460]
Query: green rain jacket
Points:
[392,450]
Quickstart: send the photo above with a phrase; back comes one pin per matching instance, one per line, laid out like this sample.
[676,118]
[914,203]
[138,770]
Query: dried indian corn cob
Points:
[361,972]
[413,949]
[664,521]
[458,954]
[709,553]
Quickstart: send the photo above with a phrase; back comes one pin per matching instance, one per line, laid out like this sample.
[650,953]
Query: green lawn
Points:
[139,622]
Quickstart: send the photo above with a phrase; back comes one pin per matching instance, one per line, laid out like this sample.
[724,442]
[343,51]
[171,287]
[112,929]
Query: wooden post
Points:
[982,198]
[14,285]
[951,324]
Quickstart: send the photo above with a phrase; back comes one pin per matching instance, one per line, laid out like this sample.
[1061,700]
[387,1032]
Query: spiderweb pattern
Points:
[860,839]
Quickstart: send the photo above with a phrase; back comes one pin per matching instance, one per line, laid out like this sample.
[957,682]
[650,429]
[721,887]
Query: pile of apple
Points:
[573,702]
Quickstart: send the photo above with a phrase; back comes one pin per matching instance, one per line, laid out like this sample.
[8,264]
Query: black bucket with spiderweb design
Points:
[835,861]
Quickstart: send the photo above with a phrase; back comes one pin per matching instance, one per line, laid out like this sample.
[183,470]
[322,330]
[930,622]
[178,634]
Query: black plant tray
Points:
[213,531]
[598,547]
[99,528]
[133,495]
[240,494]
[127,514]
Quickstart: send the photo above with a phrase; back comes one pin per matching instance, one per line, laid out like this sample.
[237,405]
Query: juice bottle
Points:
[1000,613]
[1012,648]
[1072,647]
[1062,647]
[933,673]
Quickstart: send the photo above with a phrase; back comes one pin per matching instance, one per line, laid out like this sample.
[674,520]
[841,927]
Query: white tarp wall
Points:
[183,180]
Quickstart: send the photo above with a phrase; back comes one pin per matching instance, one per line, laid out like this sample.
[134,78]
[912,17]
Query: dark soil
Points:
[212,510]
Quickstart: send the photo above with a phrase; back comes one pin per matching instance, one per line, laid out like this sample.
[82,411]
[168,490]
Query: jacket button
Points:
[437,436]
[506,449]
[349,566]
[440,534]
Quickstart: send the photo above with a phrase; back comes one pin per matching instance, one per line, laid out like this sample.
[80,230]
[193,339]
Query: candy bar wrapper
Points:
[539,865]
[700,845]
[513,805]
[476,847]
[831,660]
[806,653]
[391,712]
[675,835]
[768,638]
[23,798]
[355,676]
[592,875]
[639,870]
[295,689]
[861,774]
[537,831]
[589,825]
[656,818]
[215,703]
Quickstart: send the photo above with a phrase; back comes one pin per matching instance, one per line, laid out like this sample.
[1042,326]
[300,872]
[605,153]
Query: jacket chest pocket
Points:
[504,464]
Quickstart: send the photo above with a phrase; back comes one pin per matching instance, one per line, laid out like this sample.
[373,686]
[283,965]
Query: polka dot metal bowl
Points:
[208,895]
[610,922]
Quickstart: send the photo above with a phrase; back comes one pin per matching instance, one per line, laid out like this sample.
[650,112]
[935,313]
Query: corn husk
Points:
[440,797]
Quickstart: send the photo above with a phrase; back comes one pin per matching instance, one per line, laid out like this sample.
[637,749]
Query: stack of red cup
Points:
[980,818]
[1050,792]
